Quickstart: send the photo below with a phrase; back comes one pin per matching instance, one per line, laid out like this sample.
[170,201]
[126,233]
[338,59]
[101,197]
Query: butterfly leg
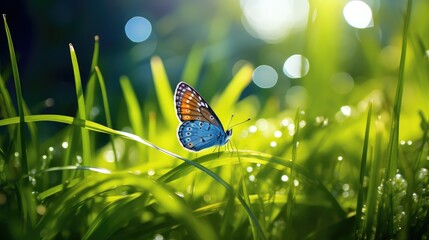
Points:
[230,147]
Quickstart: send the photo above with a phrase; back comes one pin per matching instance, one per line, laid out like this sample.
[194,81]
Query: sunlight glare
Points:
[273,20]
[296,66]
[138,29]
[265,76]
[358,14]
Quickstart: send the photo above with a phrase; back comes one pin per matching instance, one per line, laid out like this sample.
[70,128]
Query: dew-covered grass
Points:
[353,169]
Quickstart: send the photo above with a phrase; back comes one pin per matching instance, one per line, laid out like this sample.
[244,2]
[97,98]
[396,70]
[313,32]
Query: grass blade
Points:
[291,192]
[20,100]
[134,109]
[232,92]
[23,189]
[392,150]
[90,87]
[360,200]
[163,91]
[106,110]
[86,143]
[193,64]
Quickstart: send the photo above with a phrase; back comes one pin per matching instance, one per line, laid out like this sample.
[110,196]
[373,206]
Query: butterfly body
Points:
[200,127]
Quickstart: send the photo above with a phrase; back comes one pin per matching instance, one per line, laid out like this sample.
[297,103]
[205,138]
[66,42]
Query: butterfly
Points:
[200,128]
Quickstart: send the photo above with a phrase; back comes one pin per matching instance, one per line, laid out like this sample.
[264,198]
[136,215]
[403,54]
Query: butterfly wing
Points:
[191,106]
[196,135]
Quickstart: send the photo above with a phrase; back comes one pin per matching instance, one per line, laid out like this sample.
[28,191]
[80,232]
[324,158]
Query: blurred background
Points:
[304,52]
[326,58]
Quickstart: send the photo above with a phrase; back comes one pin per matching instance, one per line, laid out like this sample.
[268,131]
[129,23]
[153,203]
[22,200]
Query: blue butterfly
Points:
[200,127]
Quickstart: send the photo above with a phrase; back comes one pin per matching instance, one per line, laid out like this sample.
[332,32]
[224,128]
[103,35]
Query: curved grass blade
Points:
[100,128]
[27,205]
[213,161]
[19,97]
[93,185]
[86,143]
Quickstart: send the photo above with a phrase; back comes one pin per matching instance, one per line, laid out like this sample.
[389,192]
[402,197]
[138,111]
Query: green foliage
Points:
[318,174]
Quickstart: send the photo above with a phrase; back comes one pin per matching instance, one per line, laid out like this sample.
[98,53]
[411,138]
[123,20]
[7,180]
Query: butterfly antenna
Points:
[239,123]
[230,120]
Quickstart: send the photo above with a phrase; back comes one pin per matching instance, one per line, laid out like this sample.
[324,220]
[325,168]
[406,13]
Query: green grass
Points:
[293,174]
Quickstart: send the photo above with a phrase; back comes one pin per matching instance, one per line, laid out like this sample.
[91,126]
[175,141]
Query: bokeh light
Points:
[265,76]
[296,66]
[138,29]
[358,14]
[273,20]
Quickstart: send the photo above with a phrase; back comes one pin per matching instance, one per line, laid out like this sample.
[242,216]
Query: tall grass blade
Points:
[291,191]
[193,64]
[20,100]
[375,176]
[392,151]
[86,143]
[23,189]
[6,105]
[360,199]
[135,114]
[163,91]
[90,86]
[246,194]
[106,109]
[232,92]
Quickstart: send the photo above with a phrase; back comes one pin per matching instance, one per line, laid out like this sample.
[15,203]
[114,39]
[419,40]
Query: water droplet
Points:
[151,172]
[249,169]
[285,122]
[273,144]
[295,182]
[65,145]
[285,178]
[40,209]
[278,134]
[253,129]
[79,159]
[340,158]
[346,111]
[158,237]
[252,178]
[346,187]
